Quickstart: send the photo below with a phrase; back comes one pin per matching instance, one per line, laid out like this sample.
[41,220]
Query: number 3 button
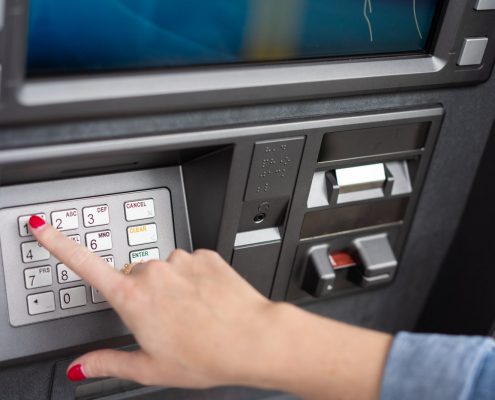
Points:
[96,216]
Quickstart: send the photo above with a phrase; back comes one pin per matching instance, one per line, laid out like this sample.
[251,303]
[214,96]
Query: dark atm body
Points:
[327,153]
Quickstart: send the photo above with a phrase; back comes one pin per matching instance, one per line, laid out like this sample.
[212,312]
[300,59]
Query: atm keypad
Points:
[40,288]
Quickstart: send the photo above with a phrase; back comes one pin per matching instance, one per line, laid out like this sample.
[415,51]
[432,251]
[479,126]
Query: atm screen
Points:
[81,36]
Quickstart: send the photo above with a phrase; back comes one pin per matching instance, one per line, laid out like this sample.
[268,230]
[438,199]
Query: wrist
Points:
[273,358]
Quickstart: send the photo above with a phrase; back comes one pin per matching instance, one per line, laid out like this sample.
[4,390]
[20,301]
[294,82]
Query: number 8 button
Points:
[65,275]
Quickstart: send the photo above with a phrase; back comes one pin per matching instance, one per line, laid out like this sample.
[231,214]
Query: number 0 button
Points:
[73,297]
[96,216]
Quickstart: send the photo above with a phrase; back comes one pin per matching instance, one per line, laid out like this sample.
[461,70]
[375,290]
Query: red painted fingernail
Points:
[75,373]
[36,222]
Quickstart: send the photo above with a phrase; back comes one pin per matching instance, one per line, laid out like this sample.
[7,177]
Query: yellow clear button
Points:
[142,234]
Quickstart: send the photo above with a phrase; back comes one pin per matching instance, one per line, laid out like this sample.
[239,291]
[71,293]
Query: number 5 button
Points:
[96,216]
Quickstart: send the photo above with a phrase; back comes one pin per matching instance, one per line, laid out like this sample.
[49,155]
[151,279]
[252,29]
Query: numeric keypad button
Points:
[24,224]
[75,238]
[109,259]
[142,234]
[41,303]
[96,296]
[144,255]
[139,209]
[38,277]
[33,251]
[65,220]
[73,297]
[96,216]
[99,241]
[66,275]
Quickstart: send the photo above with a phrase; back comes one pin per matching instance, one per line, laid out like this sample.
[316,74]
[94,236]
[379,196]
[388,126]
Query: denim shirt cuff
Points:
[425,366]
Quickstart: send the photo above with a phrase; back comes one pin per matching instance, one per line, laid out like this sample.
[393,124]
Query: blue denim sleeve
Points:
[423,366]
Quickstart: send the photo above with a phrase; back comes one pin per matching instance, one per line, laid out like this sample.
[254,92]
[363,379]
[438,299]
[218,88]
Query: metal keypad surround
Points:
[14,267]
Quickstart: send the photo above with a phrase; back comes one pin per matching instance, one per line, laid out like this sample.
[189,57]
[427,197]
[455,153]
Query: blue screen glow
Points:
[79,36]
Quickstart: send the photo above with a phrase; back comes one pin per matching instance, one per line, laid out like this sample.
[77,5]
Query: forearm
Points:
[318,358]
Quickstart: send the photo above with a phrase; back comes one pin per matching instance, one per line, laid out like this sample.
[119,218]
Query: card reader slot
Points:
[373,141]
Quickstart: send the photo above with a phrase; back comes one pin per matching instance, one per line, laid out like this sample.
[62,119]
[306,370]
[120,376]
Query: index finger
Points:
[87,265]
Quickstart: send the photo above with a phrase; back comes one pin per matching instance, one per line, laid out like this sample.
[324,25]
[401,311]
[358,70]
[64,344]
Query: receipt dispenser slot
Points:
[359,183]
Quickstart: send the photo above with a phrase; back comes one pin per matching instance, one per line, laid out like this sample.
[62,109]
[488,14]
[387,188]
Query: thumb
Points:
[130,365]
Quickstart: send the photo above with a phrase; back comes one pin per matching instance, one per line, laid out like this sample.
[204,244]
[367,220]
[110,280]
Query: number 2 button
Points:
[65,220]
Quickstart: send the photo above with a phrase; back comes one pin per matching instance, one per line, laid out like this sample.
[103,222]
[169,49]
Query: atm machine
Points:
[324,148]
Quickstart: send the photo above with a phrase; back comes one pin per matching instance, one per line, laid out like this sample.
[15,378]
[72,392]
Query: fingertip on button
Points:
[36,222]
[76,373]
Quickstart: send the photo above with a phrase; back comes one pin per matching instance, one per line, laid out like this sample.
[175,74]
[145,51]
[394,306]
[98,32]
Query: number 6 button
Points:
[96,216]
[99,241]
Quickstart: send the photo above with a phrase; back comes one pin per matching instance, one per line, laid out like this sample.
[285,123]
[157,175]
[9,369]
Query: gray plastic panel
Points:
[257,264]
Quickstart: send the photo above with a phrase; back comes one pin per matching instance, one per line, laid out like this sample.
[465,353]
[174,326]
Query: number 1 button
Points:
[23,224]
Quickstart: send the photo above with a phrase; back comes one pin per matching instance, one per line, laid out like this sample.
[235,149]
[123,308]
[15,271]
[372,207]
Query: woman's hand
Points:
[198,323]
